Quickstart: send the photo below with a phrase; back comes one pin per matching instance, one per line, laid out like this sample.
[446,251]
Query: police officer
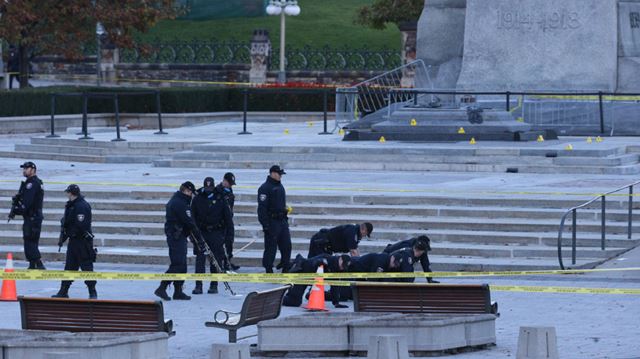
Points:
[76,228]
[28,203]
[398,261]
[331,264]
[213,217]
[421,245]
[178,226]
[226,188]
[341,239]
[272,214]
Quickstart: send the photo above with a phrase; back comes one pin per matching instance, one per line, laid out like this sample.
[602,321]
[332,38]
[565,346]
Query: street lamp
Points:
[282,8]
[99,32]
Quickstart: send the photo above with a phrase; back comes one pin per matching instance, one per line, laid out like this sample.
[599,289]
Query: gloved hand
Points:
[340,306]
[265,230]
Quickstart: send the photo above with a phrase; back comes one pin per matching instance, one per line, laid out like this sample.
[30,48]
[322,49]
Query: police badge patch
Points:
[263,197]
[29,185]
[81,218]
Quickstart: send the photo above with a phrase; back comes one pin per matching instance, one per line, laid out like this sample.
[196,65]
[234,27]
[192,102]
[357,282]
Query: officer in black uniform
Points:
[272,214]
[341,239]
[76,228]
[421,246]
[213,216]
[398,261]
[28,203]
[178,226]
[331,264]
[226,188]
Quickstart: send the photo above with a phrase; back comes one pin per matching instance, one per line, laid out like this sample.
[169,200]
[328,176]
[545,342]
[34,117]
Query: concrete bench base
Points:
[351,332]
[32,344]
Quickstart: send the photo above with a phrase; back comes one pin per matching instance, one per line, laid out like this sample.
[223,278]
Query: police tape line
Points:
[267,277]
[299,279]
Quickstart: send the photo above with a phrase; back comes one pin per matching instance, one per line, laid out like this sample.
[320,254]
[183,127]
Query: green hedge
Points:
[37,101]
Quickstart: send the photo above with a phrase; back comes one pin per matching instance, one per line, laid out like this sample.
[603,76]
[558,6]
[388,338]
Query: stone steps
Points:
[252,258]
[496,229]
[301,245]
[154,212]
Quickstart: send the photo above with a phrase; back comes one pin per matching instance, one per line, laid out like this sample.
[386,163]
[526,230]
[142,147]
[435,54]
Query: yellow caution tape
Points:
[301,279]
[267,277]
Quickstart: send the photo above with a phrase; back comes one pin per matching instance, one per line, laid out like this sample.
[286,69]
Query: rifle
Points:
[202,245]
[16,202]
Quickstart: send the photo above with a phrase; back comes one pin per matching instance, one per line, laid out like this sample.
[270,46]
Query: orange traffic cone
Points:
[9,285]
[316,299]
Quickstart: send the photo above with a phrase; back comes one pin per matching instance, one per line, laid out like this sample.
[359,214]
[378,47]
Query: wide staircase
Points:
[464,158]
[468,233]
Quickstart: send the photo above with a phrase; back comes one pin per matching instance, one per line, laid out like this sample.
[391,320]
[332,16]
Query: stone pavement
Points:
[588,326]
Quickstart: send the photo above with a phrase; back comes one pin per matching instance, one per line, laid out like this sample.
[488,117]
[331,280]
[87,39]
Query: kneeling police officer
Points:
[331,264]
[421,245]
[76,227]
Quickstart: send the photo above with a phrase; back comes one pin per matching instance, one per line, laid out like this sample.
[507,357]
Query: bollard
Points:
[230,351]
[537,343]
[387,347]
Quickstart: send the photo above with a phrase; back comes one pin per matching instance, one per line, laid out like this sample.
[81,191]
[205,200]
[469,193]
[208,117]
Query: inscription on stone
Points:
[538,20]
[634,17]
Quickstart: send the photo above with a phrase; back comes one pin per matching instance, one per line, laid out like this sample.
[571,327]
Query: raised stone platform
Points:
[32,344]
[333,333]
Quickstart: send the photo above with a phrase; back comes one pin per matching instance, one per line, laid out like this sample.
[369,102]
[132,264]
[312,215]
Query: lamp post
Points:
[99,32]
[282,8]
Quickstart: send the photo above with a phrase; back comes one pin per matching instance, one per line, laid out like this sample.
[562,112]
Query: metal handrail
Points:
[573,212]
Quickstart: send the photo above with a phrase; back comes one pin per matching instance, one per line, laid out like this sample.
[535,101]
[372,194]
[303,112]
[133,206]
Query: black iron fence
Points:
[115,96]
[237,52]
[598,99]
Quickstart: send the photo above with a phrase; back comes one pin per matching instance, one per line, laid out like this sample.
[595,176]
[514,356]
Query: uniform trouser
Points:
[177,256]
[215,241]
[278,237]
[293,298]
[31,235]
[79,256]
[229,238]
[318,246]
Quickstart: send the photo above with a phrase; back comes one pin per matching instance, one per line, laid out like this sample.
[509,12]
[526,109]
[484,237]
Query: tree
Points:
[63,27]
[382,12]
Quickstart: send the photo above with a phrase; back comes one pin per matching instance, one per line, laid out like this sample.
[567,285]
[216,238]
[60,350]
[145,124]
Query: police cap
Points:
[277,169]
[231,178]
[73,189]
[28,164]
[208,182]
[188,185]
[422,243]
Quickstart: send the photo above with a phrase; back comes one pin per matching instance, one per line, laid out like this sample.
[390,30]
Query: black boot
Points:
[233,266]
[178,294]
[198,288]
[213,288]
[40,265]
[268,270]
[64,290]
[32,265]
[93,294]
[162,290]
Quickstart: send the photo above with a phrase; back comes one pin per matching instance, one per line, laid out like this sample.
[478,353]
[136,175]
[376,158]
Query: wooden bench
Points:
[423,298]
[83,315]
[257,306]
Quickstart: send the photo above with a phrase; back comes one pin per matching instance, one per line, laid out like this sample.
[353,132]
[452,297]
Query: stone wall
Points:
[531,44]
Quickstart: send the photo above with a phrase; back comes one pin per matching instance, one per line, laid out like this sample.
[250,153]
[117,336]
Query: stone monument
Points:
[531,44]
